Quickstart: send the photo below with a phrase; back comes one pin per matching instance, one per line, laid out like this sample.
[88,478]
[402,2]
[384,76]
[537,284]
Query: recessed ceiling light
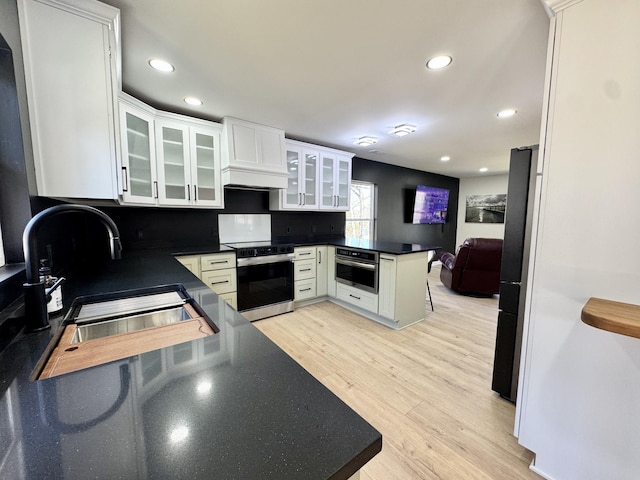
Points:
[365,141]
[161,65]
[507,112]
[438,62]
[193,101]
[446,158]
[402,130]
[483,169]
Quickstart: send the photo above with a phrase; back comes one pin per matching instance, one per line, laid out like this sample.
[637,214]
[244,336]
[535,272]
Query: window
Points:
[2,261]
[360,222]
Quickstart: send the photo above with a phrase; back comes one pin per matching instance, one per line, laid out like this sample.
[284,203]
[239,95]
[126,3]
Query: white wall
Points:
[479,186]
[579,399]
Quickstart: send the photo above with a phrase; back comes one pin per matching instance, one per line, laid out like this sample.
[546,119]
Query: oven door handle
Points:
[368,266]
[247,262]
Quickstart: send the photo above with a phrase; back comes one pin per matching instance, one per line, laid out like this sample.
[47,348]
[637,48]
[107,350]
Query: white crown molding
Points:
[556,6]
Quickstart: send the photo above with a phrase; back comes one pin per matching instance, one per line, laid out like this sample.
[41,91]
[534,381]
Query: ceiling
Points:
[331,71]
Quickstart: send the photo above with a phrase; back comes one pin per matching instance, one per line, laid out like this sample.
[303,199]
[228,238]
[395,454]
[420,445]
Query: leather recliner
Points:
[475,268]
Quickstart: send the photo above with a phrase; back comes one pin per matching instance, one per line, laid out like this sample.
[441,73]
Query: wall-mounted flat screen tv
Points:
[430,205]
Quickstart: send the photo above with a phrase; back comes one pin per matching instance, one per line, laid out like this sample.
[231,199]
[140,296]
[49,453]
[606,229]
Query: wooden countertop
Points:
[616,317]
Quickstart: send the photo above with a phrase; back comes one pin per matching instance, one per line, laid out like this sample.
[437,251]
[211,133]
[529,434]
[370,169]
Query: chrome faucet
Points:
[35,294]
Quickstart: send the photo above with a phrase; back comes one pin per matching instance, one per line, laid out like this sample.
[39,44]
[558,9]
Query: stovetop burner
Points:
[259,249]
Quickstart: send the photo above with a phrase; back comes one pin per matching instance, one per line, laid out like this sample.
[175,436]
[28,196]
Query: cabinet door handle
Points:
[188,192]
[218,283]
[319,257]
[195,193]
[299,199]
[387,259]
[155,186]
[125,180]
[353,296]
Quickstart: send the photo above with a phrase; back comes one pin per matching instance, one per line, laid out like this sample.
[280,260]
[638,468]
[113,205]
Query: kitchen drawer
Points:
[231,299]
[304,253]
[304,269]
[217,261]
[355,296]
[221,281]
[305,289]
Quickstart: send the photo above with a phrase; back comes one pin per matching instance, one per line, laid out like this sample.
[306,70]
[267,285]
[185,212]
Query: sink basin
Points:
[105,328]
[129,324]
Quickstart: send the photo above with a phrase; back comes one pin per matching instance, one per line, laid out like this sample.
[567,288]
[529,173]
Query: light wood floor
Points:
[427,388]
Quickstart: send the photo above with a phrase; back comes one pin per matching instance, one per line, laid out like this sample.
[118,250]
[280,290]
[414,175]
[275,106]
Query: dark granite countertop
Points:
[229,406]
[393,248]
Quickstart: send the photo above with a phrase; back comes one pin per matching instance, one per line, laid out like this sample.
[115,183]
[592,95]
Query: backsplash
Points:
[143,228]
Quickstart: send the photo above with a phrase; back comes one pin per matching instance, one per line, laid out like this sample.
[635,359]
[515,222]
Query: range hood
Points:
[253,155]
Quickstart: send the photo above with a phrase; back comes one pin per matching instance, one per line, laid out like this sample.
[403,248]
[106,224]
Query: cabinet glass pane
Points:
[343,184]
[310,172]
[139,154]
[205,161]
[327,181]
[293,189]
[173,155]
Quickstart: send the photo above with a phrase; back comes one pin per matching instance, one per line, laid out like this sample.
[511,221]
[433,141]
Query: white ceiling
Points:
[330,71]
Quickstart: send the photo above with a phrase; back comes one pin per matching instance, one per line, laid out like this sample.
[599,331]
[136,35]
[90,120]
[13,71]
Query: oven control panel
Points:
[357,254]
[264,251]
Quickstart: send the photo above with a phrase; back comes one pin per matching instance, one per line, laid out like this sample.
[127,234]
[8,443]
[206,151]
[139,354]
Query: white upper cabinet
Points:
[254,155]
[206,178]
[72,110]
[174,168]
[302,187]
[138,154]
[335,181]
[169,159]
[319,179]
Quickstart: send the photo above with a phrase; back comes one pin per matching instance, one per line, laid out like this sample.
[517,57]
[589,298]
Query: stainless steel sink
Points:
[129,324]
[107,327]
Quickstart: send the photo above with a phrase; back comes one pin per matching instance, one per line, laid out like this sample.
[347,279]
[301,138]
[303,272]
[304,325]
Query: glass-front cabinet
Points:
[335,181]
[302,182]
[139,182]
[319,179]
[205,167]
[169,159]
[173,163]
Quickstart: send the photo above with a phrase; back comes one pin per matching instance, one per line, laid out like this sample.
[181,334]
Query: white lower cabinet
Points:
[217,271]
[310,273]
[402,288]
[331,271]
[359,298]
[322,271]
[191,262]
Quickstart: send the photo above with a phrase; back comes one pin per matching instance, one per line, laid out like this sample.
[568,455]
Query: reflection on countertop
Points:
[232,405]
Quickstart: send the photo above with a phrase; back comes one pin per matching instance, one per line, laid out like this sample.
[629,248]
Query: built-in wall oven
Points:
[358,268]
[265,279]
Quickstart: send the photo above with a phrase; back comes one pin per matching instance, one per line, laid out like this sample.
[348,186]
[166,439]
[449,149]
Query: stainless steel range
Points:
[265,279]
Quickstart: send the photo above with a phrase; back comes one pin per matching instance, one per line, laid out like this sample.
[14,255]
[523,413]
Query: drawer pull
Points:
[218,261]
[305,289]
[218,283]
[305,253]
[305,270]
[353,296]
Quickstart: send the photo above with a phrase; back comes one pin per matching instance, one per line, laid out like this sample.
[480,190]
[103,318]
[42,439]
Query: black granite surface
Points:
[230,406]
[382,246]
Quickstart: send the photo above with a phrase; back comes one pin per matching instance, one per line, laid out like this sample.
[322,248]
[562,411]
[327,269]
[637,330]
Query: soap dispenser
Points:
[55,304]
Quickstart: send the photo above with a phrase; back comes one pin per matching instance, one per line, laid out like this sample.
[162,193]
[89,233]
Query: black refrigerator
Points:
[513,273]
